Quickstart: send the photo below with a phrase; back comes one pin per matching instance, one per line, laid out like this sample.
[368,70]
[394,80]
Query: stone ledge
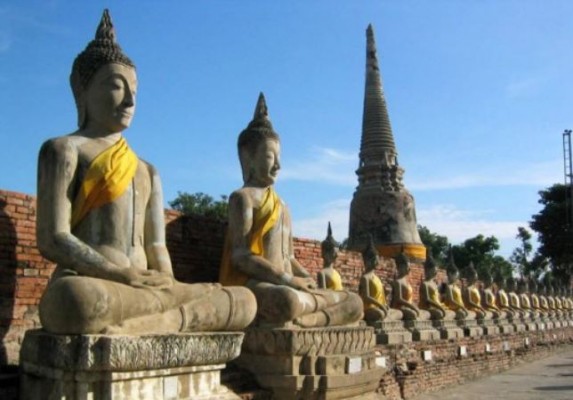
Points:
[112,353]
[307,342]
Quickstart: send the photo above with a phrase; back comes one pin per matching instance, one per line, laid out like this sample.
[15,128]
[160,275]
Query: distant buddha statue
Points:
[403,294]
[328,277]
[453,292]
[514,301]
[488,297]
[430,294]
[100,219]
[259,251]
[543,302]
[502,296]
[472,298]
[524,298]
[535,302]
[371,290]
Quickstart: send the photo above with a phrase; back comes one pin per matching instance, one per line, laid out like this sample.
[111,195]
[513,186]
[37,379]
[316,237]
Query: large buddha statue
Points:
[453,292]
[328,277]
[259,250]
[501,295]
[472,297]
[430,294]
[488,297]
[100,219]
[371,290]
[403,294]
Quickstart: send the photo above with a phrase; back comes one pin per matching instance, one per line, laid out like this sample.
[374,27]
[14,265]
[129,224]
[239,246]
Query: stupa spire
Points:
[381,206]
[377,138]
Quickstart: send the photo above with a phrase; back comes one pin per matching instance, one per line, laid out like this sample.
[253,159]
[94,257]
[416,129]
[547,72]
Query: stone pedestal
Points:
[422,330]
[112,367]
[391,332]
[470,327]
[316,363]
[504,326]
[448,329]
[489,327]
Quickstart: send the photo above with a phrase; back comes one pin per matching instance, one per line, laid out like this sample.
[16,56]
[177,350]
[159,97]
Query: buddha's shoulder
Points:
[246,196]
[60,145]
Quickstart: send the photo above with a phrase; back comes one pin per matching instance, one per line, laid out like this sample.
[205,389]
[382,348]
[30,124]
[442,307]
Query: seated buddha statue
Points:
[514,301]
[471,295]
[453,293]
[488,297]
[502,296]
[403,294]
[328,277]
[534,298]
[371,290]
[259,252]
[100,218]
[550,295]
[430,294]
[543,302]
[524,298]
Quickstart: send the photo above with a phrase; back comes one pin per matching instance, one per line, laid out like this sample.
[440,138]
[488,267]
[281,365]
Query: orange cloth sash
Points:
[264,218]
[107,178]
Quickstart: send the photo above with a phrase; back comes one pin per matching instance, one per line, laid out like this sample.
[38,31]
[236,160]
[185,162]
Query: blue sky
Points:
[479,93]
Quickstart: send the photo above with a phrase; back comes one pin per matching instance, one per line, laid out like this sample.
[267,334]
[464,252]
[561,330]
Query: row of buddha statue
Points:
[489,303]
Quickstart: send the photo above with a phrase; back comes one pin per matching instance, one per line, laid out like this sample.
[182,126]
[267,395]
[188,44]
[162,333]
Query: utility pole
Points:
[568,169]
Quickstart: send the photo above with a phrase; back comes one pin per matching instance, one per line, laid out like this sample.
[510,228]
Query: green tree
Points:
[554,234]
[520,255]
[438,245]
[480,251]
[200,204]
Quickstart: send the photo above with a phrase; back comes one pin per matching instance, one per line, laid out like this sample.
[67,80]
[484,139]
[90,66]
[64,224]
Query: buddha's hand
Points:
[301,283]
[149,278]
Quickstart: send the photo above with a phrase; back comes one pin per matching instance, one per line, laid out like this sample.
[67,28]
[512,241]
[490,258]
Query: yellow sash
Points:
[336,283]
[107,178]
[376,289]
[264,218]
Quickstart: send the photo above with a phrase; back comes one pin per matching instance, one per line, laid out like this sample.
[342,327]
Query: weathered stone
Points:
[317,363]
[179,366]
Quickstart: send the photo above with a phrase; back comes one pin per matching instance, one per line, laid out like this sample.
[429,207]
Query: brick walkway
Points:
[549,378]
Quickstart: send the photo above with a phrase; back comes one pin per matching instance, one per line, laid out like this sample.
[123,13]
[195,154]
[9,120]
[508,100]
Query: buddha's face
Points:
[265,163]
[110,98]
[371,261]
[329,255]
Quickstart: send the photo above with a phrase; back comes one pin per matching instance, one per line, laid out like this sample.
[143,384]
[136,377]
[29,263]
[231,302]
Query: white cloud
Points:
[336,212]
[535,174]
[326,165]
[446,220]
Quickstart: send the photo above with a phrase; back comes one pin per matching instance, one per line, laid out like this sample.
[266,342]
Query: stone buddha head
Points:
[370,256]
[499,280]
[486,279]
[259,149]
[510,285]
[452,269]
[402,264]
[522,286]
[104,82]
[430,268]
[329,247]
[471,274]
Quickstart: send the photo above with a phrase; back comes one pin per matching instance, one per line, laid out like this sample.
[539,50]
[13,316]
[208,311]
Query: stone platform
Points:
[112,367]
[391,332]
[448,329]
[422,330]
[313,364]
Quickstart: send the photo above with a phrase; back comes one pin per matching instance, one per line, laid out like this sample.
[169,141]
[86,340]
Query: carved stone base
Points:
[317,363]
[530,325]
[166,367]
[422,330]
[557,323]
[470,327]
[504,326]
[448,329]
[391,332]
[489,327]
